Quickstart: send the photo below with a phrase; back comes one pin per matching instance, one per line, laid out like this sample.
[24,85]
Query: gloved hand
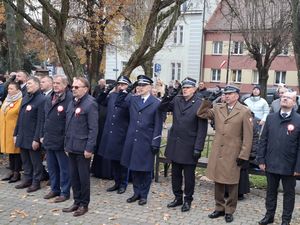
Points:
[110,87]
[197,154]
[154,150]
[131,87]
[214,95]
[242,163]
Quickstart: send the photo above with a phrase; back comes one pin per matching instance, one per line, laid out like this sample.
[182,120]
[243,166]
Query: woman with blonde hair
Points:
[8,118]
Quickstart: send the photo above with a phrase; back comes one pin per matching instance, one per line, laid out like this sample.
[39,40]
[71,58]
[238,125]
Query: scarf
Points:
[10,99]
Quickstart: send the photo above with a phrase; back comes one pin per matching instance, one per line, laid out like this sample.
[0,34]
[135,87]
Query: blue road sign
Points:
[157,68]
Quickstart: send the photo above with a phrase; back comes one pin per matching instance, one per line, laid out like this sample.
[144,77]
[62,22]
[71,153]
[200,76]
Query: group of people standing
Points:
[44,113]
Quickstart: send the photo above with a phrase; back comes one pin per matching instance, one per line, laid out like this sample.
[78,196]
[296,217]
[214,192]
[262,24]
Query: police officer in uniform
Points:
[231,148]
[185,141]
[142,139]
[114,134]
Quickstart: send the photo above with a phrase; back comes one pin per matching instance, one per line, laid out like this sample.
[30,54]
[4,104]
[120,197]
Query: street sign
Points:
[157,68]
[115,70]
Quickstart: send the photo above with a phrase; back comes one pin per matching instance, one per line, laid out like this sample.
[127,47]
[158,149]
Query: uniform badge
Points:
[11,105]
[28,108]
[290,128]
[77,111]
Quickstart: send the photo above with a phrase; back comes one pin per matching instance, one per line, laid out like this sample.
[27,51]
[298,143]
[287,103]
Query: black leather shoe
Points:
[81,211]
[228,218]
[266,220]
[241,197]
[50,195]
[23,185]
[133,198]
[175,203]
[142,201]
[8,176]
[216,214]
[113,188]
[33,188]
[72,208]
[186,207]
[16,177]
[121,190]
[285,223]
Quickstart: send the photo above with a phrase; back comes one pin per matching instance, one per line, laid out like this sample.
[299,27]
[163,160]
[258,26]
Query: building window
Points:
[255,77]
[284,51]
[215,75]
[178,35]
[217,47]
[238,47]
[262,49]
[280,77]
[236,76]
[123,64]
[126,34]
[176,71]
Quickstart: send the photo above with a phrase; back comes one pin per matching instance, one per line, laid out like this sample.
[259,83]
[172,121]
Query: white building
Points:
[181,55]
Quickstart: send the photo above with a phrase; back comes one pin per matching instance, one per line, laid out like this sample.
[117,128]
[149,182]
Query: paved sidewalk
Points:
[18,207]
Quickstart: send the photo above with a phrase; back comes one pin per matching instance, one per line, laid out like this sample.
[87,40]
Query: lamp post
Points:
[201,75]
[229,50]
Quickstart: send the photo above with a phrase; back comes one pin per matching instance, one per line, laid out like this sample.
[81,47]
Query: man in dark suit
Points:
[114,134]
[279,156]
[143,138]
[46,85]
[80,141]
[185,141]
[52,137]
[27,135]
[21,78]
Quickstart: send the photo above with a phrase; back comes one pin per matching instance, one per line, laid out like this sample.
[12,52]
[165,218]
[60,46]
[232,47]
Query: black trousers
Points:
[15,162]
[32,165]
[288,184]
[80,178]
[120,174]
[189,181]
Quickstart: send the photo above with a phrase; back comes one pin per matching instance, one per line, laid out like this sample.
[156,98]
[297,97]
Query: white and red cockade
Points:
[77,111]
[290,128]
[28,108]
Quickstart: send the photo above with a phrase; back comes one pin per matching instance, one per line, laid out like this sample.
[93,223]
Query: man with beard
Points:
[21,78]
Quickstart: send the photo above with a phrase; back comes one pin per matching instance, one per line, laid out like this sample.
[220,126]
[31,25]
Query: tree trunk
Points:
[263,80]
[148,68]
[14,55]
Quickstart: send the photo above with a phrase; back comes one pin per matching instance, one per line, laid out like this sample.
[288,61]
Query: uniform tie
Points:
[284,115]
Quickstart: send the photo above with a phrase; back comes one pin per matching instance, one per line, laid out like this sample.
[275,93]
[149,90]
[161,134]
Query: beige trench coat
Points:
[233,139]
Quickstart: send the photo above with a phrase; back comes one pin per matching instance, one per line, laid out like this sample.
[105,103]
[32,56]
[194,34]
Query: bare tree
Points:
[266,28]
[295,4]
[161,20]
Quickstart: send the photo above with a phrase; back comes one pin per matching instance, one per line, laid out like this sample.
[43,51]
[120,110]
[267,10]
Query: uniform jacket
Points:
[144,132]
[8,121]
[233,139]
[115,129]
[29,121]
[280,144]
[54,121]
[82,125]
[188,131]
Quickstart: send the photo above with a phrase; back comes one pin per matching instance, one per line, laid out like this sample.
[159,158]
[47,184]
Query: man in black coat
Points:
[80,141]
[52,137]
[279,157]
[27,135]
[185,141]
[114,135]
[21,78]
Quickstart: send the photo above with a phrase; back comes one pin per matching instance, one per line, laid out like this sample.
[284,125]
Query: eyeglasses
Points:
[77,87]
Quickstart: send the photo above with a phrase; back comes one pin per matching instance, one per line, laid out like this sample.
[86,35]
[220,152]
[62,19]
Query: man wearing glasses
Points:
[279,156]
[80,141]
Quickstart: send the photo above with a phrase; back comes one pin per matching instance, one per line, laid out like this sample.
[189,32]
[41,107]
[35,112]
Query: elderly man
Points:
[99,88]
[27,135]
[52,136]
[114,134]
[231,148]
[275,105]
[80,141]
[279,157]
[185,142]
